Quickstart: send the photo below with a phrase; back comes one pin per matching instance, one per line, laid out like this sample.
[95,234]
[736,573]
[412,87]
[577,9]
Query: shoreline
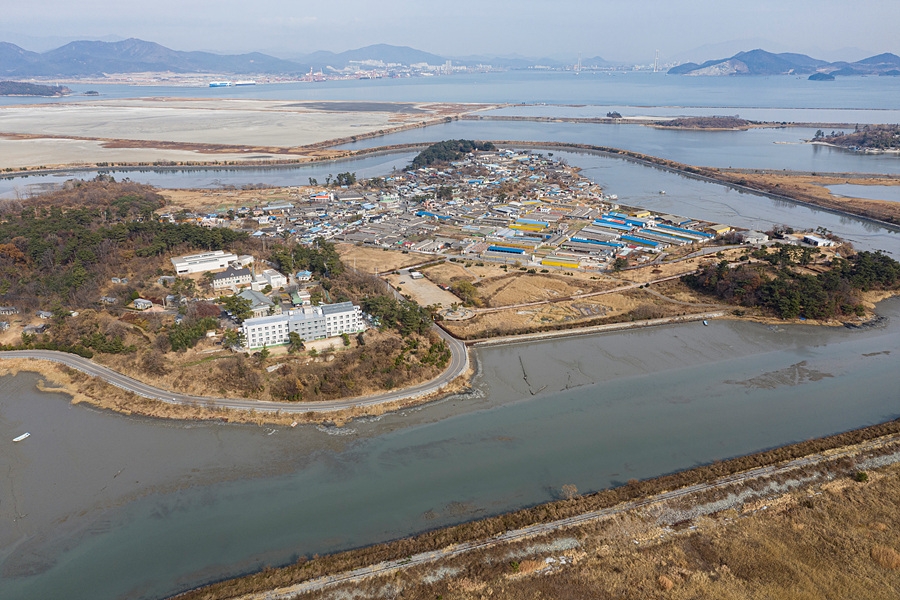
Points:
[93,390]
[854,150]
[511,340]
[453,406]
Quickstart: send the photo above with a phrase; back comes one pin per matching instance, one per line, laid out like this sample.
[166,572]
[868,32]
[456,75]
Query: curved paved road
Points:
[459,362]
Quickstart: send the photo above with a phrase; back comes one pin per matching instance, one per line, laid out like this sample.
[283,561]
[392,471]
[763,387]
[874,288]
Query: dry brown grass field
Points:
[811,188]
[582,312]
[827,541]
[518,287]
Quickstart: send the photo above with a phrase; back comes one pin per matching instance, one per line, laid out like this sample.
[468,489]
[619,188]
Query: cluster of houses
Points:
[320,214]
[502,205]
[518,206]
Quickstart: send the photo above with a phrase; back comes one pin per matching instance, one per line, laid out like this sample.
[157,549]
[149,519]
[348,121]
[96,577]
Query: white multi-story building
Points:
[309,322]
[200,263]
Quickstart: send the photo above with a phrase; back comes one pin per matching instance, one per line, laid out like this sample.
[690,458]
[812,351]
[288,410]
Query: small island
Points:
[18,88]
[708,123]
[821,77]
[868,138]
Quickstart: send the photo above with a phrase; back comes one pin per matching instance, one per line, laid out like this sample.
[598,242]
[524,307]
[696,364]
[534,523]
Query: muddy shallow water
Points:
[97,505]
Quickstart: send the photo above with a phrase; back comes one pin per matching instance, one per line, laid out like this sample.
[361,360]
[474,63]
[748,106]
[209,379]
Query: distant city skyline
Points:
[617,31]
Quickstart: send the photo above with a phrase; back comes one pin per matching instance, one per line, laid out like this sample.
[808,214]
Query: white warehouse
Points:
[200,263]
[309,322]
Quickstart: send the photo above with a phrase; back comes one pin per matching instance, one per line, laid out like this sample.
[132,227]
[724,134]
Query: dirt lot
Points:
[200,200]
[423,291]
[370,260]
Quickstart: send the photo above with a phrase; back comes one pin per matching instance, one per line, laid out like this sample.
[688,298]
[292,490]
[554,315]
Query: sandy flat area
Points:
[150,129]
[267,124]
[52,152]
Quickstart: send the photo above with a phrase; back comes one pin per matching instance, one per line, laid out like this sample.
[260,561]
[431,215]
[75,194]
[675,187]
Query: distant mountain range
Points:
[760,62]
[92,59]
[80,59]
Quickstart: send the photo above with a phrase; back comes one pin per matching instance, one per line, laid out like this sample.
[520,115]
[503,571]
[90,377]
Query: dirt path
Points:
[624,288]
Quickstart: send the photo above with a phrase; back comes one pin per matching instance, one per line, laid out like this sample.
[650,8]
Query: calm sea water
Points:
[620,89]
[209,178]
[753,149]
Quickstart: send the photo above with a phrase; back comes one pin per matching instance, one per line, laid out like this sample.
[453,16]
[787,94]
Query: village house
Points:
[260,305]
[231,277]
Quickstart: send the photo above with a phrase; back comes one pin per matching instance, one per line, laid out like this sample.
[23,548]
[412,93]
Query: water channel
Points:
[96,505]
[889,193]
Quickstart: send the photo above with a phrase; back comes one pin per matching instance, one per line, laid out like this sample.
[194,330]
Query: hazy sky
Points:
[623,30]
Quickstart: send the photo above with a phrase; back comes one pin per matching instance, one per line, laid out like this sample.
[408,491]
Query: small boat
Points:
[21,437]
[662,192]
[705,323]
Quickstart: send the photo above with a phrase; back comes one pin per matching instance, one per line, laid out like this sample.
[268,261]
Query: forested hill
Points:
[62,249]
[785,288]
[18,88]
